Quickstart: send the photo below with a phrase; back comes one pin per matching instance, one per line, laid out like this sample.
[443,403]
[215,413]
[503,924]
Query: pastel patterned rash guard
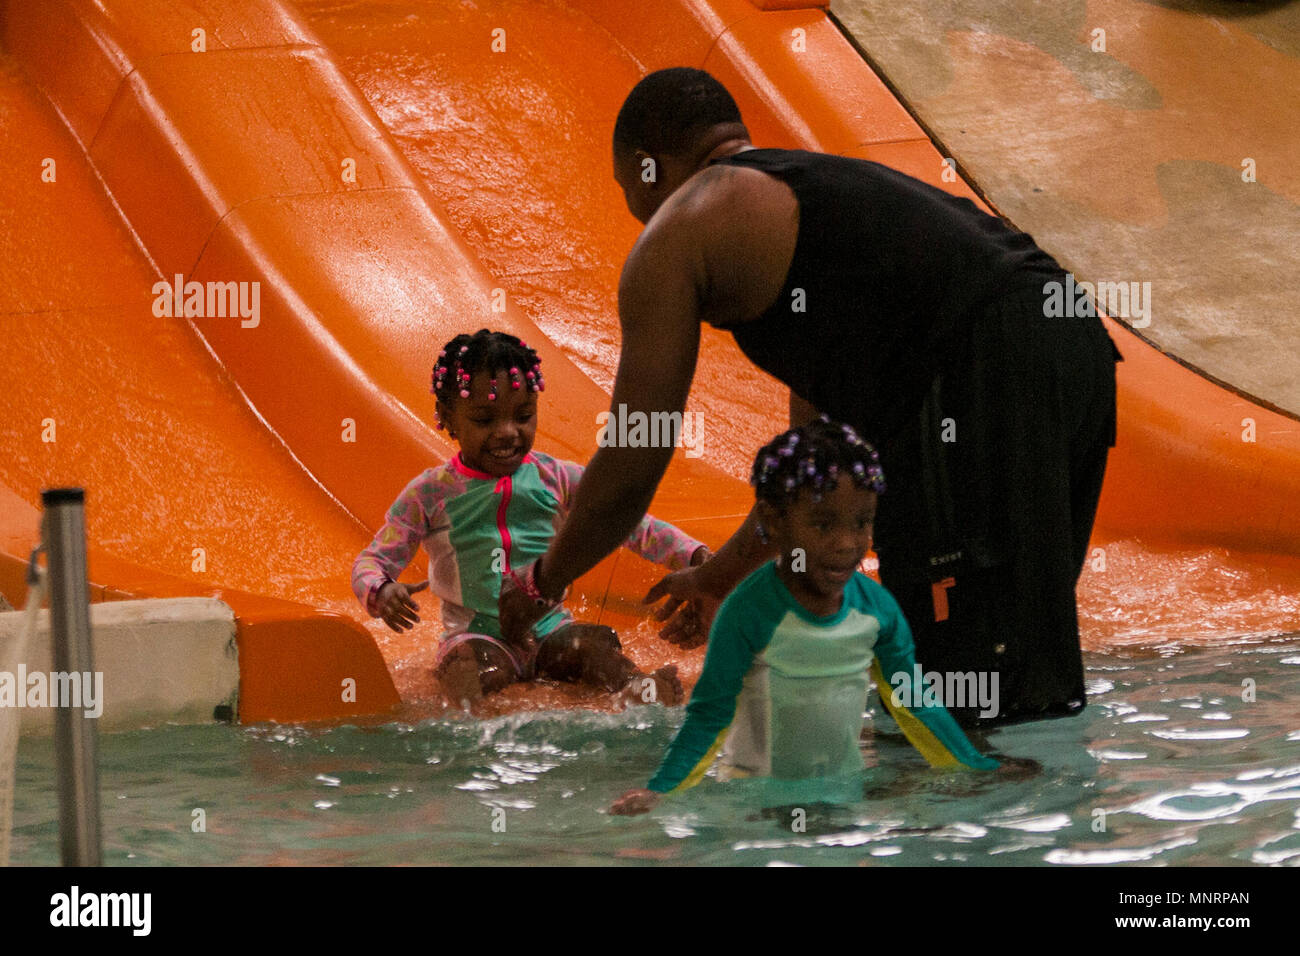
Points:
[474,526]
[786,690]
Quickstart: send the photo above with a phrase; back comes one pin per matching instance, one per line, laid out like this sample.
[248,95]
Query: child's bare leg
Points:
[473,669]
[606,667]
[590,654]
[661,687]
[458,675]
[610,669]
[584,654]
[495,668]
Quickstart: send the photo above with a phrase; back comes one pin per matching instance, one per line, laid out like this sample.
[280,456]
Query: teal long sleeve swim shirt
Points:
[786,690]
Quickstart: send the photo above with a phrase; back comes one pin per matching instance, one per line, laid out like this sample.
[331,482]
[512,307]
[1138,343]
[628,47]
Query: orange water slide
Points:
[251,456]
[240,454]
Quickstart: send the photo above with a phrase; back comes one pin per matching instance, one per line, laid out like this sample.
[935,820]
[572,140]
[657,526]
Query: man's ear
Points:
[648,169]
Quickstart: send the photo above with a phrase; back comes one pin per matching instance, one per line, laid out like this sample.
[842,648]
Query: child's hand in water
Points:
[1019,768]
[396,607]
[634,802]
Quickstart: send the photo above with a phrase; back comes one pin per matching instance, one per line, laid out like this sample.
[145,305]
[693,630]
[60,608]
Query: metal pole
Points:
[63,530]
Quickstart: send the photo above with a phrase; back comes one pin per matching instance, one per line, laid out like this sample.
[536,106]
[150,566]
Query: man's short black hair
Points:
[668,110]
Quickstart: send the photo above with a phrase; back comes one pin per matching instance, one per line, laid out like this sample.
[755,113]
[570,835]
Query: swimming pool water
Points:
[1183,770]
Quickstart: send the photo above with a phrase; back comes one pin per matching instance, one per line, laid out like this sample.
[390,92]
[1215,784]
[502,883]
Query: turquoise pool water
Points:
[1182,768]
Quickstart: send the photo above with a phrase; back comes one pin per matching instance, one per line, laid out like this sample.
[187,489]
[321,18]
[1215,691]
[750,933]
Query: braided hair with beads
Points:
[485,351]
[814,456]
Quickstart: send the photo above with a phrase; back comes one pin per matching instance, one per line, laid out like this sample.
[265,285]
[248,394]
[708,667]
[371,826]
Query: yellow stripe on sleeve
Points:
[698,771]
[921,737]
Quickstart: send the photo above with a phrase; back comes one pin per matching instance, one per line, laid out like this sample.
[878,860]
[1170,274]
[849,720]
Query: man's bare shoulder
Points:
[723,194]
[676,236]
[735,228]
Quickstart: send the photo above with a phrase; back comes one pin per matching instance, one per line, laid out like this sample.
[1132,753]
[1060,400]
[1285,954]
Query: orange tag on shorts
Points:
[939,591]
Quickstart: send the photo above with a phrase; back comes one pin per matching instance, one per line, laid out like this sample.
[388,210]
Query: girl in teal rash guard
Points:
[794,647]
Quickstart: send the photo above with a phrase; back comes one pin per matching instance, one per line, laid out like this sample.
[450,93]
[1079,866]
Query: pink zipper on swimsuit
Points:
[504,489]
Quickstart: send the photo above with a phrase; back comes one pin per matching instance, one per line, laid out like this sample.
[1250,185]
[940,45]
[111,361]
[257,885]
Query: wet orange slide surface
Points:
[375,178]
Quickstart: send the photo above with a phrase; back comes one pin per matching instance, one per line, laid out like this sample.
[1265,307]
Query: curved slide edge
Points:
[296,664]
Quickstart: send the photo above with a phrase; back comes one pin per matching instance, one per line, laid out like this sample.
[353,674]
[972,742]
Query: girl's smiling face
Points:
[834,535]
[494,435]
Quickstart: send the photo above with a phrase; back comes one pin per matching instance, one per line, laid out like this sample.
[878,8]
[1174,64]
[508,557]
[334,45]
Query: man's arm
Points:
[659,310]
[708,584]
[657,541]
[801,412]
[743,552]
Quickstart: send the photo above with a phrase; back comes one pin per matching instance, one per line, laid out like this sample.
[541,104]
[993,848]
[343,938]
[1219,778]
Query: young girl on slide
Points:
[491,509]
[794,647]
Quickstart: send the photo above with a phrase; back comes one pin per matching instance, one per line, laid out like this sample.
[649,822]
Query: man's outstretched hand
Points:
[691,605]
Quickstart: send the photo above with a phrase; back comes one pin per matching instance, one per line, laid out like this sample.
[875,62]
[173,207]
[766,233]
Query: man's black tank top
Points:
[886,270]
